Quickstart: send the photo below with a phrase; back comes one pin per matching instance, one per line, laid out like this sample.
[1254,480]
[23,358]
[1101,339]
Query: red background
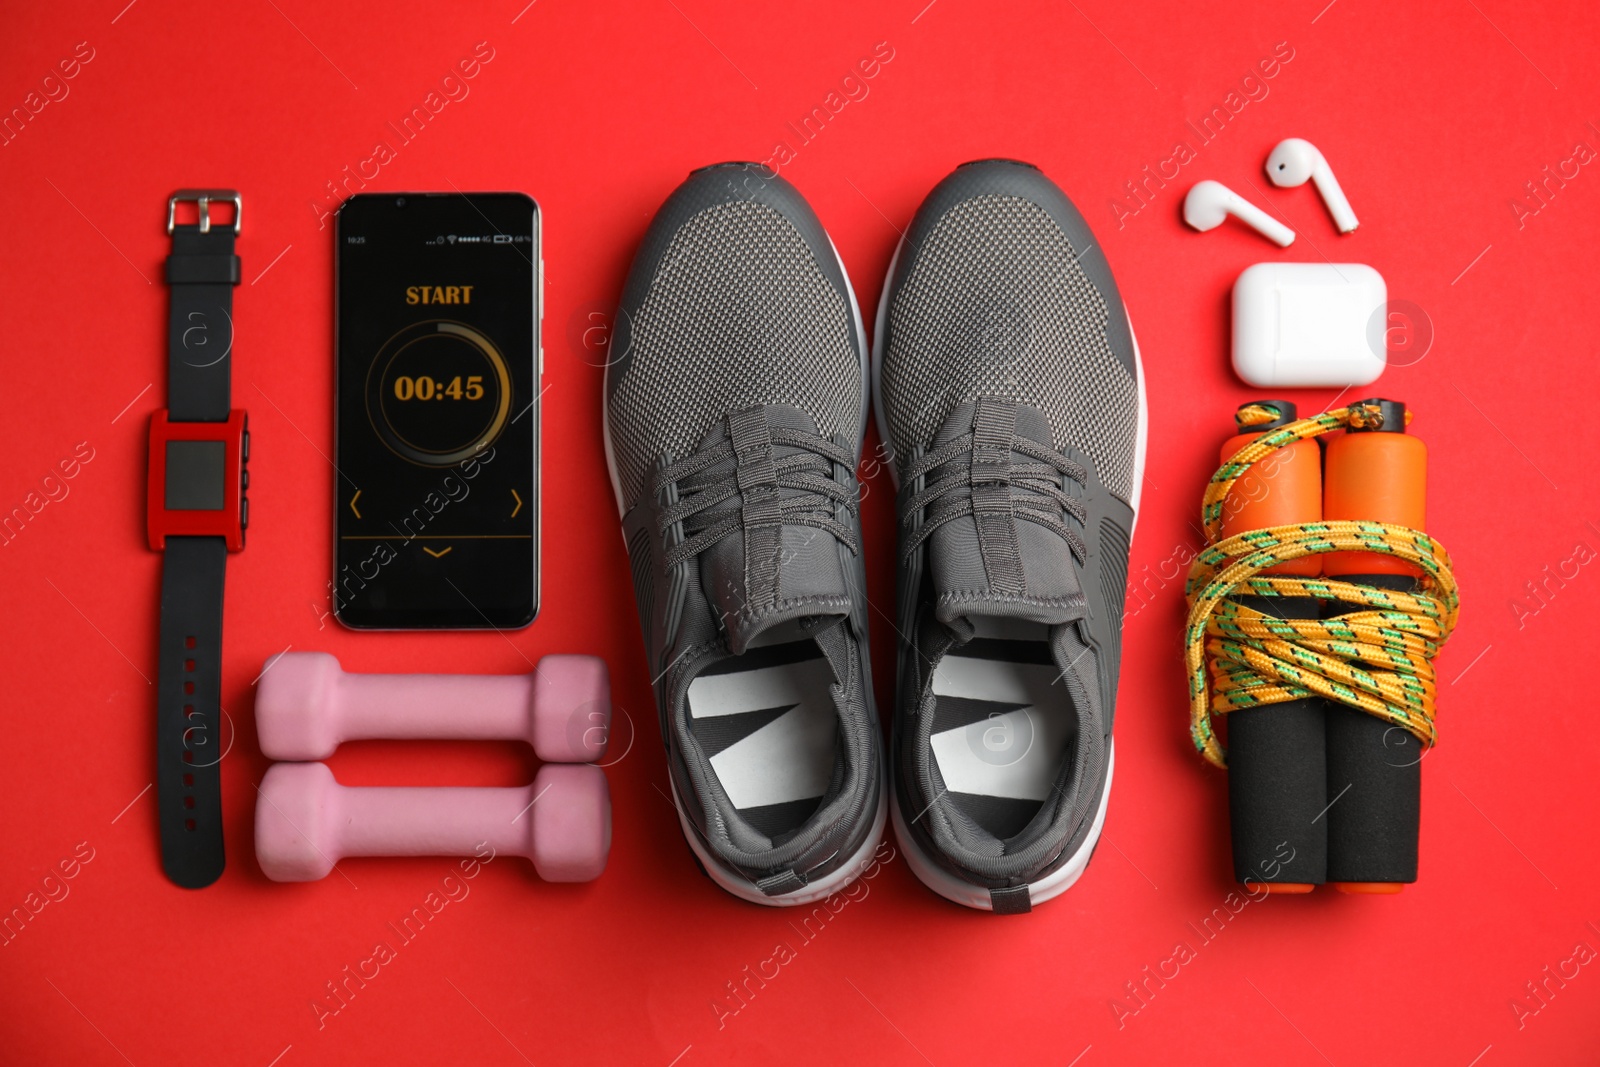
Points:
[1433,120]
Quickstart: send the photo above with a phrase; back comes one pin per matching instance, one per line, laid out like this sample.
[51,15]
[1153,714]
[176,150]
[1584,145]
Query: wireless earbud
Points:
[1209,202]
[1294,161]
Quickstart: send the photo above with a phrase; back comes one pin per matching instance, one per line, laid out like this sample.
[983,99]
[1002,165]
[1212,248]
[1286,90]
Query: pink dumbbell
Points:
[307,704]
[306,822]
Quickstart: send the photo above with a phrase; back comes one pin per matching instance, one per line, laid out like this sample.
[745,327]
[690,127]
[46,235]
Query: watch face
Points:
[196,477]
[437,502]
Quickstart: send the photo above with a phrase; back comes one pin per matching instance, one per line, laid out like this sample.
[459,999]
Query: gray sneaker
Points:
[735,406]
[1010,395]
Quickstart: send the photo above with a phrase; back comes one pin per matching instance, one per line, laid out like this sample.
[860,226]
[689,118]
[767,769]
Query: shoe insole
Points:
[767,722]
[1002,723]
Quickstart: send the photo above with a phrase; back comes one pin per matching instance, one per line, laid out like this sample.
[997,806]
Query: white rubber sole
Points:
[813,891]
[739,887]
[927,871]
[1049,887]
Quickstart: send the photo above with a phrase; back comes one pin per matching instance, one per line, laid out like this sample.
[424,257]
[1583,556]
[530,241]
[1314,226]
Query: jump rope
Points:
[1315,614]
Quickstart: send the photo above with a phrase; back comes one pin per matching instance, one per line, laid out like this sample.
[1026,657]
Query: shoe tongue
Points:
[768,582]
[991,563]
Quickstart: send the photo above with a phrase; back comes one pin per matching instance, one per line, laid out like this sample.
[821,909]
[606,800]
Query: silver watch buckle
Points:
[203,198]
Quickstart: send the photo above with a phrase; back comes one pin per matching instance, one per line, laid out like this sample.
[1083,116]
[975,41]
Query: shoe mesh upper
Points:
[737,346]
[997,305]
[738,314]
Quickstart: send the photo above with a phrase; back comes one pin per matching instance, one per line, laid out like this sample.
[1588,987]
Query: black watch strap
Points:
[201,272]
[189,742]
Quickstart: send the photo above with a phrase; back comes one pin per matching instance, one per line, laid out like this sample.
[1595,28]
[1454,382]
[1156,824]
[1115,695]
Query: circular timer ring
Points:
[377,377]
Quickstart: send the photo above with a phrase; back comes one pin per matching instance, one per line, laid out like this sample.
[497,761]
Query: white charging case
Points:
[1309,324]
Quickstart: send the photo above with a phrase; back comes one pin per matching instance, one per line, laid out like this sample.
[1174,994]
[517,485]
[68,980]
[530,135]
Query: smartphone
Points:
[438,360]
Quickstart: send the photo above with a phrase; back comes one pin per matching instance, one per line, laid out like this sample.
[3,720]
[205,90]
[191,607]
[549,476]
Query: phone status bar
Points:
[480,239]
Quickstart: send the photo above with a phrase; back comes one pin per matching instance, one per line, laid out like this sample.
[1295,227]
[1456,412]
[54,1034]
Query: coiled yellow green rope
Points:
[1378,659]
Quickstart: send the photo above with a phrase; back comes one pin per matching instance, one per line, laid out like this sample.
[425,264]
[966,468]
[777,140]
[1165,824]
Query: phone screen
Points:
[437,353]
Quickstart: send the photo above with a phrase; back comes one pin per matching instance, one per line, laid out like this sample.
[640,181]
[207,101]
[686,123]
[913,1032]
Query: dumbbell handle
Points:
[434,705]
[444,821]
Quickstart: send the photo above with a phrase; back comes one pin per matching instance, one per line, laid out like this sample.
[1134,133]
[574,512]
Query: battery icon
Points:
[502,238]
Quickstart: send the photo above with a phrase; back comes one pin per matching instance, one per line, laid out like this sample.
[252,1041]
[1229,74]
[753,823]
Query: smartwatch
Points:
[197,514]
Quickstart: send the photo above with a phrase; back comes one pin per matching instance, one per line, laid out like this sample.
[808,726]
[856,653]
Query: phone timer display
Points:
[437,503]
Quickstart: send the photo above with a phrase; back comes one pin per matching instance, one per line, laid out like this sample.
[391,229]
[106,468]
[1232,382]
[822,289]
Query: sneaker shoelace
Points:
[1035,489]
[802,483]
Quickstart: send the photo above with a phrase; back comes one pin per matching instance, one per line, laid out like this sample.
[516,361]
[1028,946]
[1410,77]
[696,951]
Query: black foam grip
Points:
[189,735]
[1374,783]
[1276,778]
